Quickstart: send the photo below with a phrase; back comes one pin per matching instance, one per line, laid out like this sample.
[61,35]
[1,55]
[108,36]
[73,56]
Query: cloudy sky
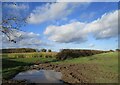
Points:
[88,25]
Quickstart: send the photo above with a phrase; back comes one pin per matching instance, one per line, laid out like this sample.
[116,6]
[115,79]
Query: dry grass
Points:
[30,55]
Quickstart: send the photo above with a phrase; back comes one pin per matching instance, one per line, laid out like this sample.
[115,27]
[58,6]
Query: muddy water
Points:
[39,76]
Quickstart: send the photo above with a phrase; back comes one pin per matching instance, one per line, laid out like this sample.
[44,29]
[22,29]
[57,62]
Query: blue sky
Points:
[91,25]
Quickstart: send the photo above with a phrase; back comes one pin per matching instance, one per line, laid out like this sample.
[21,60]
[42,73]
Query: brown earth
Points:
[76,73]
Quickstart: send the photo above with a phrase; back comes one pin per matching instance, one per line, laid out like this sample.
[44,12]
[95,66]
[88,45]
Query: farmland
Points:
[66,42]
[104,65]
[14,62]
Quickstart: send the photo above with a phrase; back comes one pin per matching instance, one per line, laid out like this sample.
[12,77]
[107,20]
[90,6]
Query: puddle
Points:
[40,76]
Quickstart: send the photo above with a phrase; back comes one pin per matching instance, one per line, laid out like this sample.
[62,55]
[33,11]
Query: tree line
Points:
[23,50]
[74,53]
[18,50]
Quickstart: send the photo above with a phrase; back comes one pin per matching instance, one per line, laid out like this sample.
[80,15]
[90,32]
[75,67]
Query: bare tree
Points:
[11,23]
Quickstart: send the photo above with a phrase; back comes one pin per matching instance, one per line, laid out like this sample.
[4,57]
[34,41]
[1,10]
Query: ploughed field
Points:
[98,68]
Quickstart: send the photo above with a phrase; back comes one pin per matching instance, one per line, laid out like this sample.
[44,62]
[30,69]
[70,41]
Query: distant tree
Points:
[18,50]
[43,50]
[49,50]
[111,50]
[118,50]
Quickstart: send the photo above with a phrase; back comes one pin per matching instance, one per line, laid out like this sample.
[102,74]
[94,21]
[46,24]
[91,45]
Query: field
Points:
[99,68]
[29,55]
[14,62]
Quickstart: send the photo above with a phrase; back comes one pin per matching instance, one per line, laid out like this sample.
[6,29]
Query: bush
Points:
[73,53]
[49,50]
[43,50]
[111,50]
[118,50]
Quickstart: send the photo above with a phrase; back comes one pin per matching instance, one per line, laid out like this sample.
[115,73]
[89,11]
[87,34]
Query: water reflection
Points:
[40,76]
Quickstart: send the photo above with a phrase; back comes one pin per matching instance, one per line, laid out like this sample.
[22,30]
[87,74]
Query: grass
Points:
[11,66]
[8,73]
[29,55]
[108,62]
[33,60]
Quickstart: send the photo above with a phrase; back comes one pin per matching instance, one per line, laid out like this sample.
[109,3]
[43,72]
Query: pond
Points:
[40,76]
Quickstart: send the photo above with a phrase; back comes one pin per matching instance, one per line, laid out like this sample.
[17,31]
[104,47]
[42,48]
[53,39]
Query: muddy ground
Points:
[75,73]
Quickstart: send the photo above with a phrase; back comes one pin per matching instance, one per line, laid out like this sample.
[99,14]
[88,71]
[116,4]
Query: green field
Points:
[13,63]
[108,62]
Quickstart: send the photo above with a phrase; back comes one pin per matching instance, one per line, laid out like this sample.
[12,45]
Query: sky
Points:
[64,25]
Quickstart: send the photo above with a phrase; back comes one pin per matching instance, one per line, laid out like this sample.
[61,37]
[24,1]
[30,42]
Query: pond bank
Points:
[75,73]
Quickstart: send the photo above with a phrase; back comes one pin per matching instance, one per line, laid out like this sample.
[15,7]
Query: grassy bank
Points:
[108,64]
[14,62]
[109,61]
[12,66]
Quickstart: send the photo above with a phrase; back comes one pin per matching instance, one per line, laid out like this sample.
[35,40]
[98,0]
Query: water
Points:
[39,76]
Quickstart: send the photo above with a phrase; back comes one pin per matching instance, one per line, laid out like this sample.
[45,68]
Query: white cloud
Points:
[16,34]
[66,33]
[15,10]
[87,16]
[102,28]
[52,11]
[23,39]
[16,6]
[91,45]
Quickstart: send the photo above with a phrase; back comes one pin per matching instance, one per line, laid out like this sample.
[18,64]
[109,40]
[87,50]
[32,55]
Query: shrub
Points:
[118,50]
[49,50]
[43,50]
[73,53]
[111,50]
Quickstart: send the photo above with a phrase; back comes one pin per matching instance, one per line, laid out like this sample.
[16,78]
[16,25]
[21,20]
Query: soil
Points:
[77,73]
[71,73]
[74,73]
